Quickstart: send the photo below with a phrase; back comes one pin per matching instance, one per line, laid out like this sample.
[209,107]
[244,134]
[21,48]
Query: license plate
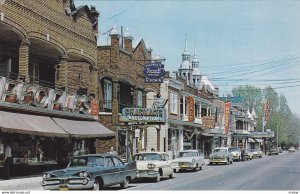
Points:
[217,160]
[183,165]
[63,188]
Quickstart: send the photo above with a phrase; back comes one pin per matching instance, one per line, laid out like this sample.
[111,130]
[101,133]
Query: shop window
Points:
[173,103]
[107,94]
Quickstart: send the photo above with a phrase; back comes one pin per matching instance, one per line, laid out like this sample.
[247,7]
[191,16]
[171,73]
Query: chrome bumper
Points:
[65,185]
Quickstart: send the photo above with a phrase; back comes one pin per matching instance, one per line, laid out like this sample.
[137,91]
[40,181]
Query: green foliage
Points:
[281,116]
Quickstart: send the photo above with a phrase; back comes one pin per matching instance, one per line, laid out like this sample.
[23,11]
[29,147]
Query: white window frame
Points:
[107,87]
[139,98]
[173,103]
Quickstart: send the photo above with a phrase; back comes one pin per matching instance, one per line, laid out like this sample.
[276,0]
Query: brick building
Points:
[122,85]
[48,77]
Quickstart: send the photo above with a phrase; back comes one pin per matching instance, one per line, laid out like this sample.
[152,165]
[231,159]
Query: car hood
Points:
[143,165]
[218,155]
[70,171]
[183,159]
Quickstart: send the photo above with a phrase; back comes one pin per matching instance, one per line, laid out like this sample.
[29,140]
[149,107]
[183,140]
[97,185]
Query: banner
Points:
[191,109]
[95,107]
[267,111]
[227,114]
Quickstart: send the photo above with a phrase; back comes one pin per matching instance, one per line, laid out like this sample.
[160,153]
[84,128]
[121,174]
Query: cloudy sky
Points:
[237,42]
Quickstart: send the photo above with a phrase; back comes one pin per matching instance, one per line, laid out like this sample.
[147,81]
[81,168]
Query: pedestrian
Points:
[243,154]
[7,162]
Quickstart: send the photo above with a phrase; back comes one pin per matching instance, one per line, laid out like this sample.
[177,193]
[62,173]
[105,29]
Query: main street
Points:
[280,172]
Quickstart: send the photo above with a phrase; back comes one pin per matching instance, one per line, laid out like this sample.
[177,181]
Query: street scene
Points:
[149,95]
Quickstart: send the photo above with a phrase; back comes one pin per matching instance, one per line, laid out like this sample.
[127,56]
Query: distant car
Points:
[257,153]
[248,155]
[280,150]
[190,160]
[236,153]
[93,171]
[154,165]
[292,149]
[273,151]
[221,155]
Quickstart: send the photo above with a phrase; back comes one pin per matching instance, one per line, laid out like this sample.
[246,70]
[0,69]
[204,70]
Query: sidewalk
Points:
[20,183]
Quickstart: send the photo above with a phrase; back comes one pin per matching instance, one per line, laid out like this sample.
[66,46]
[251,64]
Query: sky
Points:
[237,42]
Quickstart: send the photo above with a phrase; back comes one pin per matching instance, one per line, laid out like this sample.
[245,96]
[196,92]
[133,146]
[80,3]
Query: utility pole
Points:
[277,133]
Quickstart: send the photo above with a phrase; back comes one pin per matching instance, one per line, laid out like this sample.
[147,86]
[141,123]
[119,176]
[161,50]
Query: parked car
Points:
[248,155]
[257,153]
[292,149]
[154,165]
[221,155]
[190,160]
[273,151]
[93,171]
[280,150]
[236,153]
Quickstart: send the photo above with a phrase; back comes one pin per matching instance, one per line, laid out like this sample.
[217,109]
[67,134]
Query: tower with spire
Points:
[185,70]
[196,76]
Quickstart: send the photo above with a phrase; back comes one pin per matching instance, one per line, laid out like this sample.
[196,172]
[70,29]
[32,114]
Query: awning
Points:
[251,140]
[207,134]
[30,124]
[84,128]
[259,140]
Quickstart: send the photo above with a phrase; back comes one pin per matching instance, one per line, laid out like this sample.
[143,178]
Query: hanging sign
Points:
[227,116]
[191,109]
[154,72]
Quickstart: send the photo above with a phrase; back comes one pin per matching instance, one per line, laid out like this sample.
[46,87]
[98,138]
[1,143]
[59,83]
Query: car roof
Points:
[190,151]
[102,155]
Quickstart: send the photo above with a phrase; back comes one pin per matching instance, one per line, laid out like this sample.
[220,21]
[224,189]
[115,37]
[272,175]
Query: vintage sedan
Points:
[154,165]
[273,151]
[257,153]
[93,171]
[190,160]
[221,155]
[248,155]
[236,153]
[292,149]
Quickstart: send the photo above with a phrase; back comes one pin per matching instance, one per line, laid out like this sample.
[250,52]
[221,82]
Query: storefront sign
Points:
[227,116]
[191,109]
[208,122]
[154,72]
[149,115]
[14,91]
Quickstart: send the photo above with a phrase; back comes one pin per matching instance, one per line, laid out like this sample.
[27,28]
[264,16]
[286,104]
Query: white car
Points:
[221,155]
[154,165]
[292,149]
[190,160]
[257,153]
[236,153]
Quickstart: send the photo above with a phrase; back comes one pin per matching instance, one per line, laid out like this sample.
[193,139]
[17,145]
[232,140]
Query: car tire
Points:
[97,185]
[157,179]
[125,184]
[171,176]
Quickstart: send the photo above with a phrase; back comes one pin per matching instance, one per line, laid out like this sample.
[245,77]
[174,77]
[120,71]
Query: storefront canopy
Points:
[81,129]
[30,124]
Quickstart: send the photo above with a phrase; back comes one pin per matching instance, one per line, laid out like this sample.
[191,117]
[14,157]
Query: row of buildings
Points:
[59,92]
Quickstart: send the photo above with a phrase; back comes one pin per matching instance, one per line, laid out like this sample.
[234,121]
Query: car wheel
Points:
[171,176]
[157,179]
[125,184]
[97,185]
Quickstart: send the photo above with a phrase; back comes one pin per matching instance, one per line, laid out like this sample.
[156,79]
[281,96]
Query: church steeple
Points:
[195,64]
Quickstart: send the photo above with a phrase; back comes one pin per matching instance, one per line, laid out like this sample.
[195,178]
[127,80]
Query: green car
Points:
[93,171]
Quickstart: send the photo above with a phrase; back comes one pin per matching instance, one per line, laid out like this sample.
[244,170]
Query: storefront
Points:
[40,143]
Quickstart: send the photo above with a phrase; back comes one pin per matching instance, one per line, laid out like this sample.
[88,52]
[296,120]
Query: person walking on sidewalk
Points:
[7,162]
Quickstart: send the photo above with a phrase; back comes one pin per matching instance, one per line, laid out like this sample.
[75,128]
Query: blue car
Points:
[93,171]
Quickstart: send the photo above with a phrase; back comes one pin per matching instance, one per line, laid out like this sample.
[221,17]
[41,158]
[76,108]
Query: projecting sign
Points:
[154,72]
[148,115]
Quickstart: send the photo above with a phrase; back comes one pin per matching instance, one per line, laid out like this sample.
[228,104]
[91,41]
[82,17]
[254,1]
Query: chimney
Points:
[128,40]
[95,14]
[114,42]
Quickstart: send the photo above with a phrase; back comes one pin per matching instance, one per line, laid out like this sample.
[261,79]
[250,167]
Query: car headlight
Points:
[151,166]
[46,175]
[83,174]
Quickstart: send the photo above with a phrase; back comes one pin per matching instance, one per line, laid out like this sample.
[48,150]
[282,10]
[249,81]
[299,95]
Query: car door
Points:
[122,169]
[112,172]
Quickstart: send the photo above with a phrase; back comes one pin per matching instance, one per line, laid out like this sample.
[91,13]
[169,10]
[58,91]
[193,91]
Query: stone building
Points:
[122,85]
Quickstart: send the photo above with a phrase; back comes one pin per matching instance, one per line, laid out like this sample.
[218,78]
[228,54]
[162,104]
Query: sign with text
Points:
[95,107]
[154,72]
[208,122]
[147,115]
[227,116]
[191,109]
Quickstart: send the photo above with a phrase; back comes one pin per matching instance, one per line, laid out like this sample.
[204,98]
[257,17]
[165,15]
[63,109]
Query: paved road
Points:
[280,172]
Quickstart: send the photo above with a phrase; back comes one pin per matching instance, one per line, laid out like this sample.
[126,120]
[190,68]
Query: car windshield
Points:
[87,161]
[217,150]
[147,156]
[187,154]
[234,149]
